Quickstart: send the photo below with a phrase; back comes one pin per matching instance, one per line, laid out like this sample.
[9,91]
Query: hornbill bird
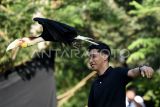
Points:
[52,31]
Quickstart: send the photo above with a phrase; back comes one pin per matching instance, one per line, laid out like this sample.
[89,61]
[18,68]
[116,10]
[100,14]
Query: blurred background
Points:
[130,27]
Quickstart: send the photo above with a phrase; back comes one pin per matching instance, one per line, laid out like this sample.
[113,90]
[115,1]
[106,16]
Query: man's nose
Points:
[90,60]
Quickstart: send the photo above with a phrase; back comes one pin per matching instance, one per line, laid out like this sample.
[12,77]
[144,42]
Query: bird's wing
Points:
[60,32]
[56,31]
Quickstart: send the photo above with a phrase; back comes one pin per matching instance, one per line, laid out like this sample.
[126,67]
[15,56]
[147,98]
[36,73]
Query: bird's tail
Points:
[87,39]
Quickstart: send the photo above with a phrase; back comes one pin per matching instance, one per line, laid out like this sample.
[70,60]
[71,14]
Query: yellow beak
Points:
[16,43]
[13,45]
[23,45]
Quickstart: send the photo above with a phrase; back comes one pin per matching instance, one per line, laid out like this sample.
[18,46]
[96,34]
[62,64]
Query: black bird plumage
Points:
[56,31]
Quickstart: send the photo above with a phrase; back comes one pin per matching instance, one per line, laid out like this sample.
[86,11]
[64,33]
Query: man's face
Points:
[97,59]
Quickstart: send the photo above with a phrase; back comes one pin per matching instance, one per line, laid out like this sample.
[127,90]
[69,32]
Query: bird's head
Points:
[23,42]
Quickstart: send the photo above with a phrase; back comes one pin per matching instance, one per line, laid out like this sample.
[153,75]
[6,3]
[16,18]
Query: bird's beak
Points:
[16,43]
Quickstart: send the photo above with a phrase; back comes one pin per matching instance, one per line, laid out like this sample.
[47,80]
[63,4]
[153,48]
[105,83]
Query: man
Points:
[133,100]
[108,90]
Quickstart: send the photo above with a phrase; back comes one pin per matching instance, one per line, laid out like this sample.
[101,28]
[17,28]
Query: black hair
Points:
[101,47]
[131,88]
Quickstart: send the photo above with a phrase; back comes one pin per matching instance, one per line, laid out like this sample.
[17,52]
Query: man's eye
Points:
[94,56]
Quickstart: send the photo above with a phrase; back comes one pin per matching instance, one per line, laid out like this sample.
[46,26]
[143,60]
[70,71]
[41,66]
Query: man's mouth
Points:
[92,65]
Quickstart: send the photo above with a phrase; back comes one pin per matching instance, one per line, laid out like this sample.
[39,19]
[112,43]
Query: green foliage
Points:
[148,7]
[144,49]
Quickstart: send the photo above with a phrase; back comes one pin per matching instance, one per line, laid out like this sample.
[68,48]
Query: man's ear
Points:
[105,56]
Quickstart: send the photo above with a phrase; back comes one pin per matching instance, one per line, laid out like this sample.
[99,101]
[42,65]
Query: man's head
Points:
[99,55]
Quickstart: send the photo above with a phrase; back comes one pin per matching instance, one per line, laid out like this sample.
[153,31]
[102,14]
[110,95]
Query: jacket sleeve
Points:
[123,72]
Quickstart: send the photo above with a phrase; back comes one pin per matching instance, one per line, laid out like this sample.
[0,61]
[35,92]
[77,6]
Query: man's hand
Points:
[146,71]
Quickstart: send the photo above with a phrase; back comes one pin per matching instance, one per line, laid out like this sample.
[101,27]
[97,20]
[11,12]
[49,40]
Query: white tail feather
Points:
[83,37]
[91,42]
[87,39]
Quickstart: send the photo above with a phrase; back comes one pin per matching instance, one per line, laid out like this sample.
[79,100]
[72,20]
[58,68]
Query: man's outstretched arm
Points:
[144,71]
